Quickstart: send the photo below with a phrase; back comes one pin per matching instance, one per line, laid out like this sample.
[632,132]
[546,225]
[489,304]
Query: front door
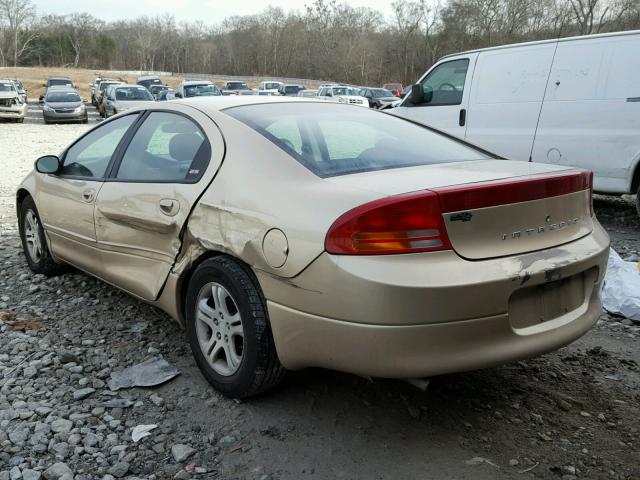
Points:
[66,200]
[445,91]
[143,206]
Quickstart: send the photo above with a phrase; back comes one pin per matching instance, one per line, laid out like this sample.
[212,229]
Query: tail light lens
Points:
[407,223]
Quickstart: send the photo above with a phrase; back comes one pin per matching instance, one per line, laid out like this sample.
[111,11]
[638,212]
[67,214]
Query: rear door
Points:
[591,112]
[143,206]
[446,91]
[506,97]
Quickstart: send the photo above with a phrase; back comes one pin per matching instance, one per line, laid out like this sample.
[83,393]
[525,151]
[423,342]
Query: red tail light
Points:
[405,223]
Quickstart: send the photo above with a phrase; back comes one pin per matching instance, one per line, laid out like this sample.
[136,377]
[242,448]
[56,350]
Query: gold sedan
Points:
[288,233]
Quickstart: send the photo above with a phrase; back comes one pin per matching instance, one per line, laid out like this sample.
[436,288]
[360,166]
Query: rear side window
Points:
[166,148]
[332,139]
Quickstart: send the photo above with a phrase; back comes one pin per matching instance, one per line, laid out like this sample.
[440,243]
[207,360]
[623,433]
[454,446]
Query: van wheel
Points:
[228,328]
[34,242]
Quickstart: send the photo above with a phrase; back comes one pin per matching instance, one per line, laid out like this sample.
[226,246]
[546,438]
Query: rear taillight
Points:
[407,223]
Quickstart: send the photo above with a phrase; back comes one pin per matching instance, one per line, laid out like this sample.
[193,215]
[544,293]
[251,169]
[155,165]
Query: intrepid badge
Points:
[549,227]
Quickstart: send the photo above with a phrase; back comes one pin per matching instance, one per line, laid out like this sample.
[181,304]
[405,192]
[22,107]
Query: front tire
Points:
[34,242]
[228,328]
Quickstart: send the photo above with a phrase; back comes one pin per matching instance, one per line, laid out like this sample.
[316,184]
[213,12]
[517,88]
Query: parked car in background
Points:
[124,97]
[20,88]
[290,90]
[365,275]
[378,97]
[308,93]
[63,104]
[343,94]
[155,89]
[102,92]
[197,88]
[12,107]
[147,80]
[164,95]
[395,88]
[270,86]
[233,88]
[570,101]
[56,82]
[95,88]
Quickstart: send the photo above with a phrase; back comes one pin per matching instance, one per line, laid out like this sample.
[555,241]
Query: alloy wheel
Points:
[32,236]
[219,329]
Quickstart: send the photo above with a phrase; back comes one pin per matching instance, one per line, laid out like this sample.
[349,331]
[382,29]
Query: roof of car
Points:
[58,88]
[59,78]
[196,82]
[222,102]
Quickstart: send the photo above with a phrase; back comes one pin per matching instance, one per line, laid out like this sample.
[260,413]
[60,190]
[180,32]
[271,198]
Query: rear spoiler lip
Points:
[492,193]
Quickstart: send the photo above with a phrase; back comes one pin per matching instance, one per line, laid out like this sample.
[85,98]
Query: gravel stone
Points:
[181,452]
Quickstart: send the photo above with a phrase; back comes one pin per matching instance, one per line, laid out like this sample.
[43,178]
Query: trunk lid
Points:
[495,208]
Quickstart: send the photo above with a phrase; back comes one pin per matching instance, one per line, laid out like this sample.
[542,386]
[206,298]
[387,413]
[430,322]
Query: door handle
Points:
[89,195]
[169,206]
[463,117]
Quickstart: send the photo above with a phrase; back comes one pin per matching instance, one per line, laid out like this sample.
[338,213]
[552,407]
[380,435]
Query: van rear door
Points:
[445,90]
[506,98]
[591,113]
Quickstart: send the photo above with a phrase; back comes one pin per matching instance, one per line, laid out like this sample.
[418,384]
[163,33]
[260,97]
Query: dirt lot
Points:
[571,414]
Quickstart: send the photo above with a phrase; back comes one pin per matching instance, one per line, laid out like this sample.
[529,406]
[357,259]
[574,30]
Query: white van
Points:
[573,101]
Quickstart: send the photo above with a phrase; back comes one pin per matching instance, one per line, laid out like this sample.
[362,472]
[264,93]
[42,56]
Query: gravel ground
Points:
[571,414]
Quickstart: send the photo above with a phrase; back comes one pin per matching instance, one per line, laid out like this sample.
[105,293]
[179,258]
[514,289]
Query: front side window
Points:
[167,147]
[445,84]
[331,139]
[90,156]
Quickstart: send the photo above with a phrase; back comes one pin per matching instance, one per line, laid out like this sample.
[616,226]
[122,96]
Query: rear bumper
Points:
[433,314]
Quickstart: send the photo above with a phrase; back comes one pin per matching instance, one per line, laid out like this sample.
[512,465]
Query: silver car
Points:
[123,97]
[63,104]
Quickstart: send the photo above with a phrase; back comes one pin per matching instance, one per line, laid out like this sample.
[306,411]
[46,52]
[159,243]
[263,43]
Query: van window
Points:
[445,84]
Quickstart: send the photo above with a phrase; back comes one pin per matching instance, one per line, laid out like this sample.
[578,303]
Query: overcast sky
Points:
[209,11]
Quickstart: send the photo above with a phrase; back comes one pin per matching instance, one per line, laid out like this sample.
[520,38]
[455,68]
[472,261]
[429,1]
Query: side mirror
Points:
[418,96]
[48,164]
[178,95]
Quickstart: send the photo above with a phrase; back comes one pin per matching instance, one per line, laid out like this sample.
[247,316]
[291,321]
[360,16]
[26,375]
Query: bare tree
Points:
[18,15]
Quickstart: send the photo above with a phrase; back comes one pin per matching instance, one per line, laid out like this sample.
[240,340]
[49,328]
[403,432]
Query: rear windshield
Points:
[63,97]
[54,82]
[331,139]
[237,86]
[149,81]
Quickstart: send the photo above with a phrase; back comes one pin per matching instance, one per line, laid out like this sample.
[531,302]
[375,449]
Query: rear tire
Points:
[244,362]
[638,200]
[34,242]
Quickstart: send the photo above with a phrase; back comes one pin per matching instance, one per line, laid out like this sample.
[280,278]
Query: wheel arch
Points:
[21,194]
[635,178]
[184,278]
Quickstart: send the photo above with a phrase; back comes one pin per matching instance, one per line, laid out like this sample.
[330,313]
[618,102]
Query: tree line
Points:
[327,40]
